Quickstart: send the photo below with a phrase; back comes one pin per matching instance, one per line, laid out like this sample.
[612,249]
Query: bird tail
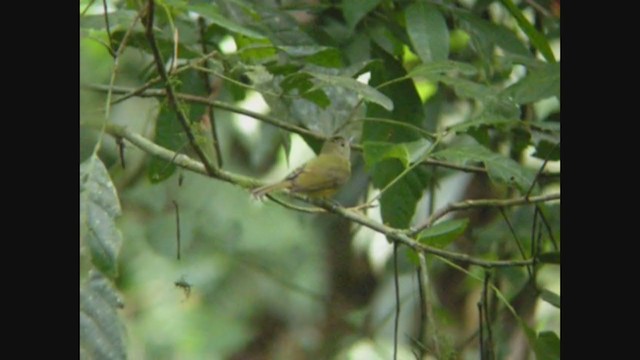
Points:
[263,190]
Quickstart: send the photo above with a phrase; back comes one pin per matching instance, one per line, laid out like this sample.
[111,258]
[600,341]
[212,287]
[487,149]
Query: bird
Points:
[320,177]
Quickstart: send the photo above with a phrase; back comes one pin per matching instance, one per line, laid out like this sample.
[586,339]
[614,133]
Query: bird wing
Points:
[320,174]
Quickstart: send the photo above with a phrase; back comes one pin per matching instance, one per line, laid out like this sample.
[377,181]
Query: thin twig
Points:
[175,204]
[116,62]
[207,86]
[106,21]
[515,237]
[480,326]
[217,104]
[120,144]
[397,293]
[534,251]
[470,204]
[84,11]
[548,227]
[487,320]
[544,164]
[173,101]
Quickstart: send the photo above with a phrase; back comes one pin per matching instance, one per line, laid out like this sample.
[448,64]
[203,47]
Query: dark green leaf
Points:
[354,10]
[318,97]
[399,201]
[428,31]
[547,346]
[380,34]
[547,150]
[102,334]
[364,90]
[537,39]
[442,234]
[169,134]
[330,58]
[211,13]
[501,169]
[540,83]
[551,297]
[550,257]
[486,35]
[99,205]
[279,26]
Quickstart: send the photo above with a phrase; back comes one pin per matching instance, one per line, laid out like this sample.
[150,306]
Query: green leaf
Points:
[547,150]
[547,346]
[169,134]
[428,31]
[484,121]
[432,70]
[539,83]
[331,58]
[495,104]
[99,205]
[442,234]
[398,202]
[376,151]
[551,297]
[486,35]
[102,334]
[407,153]
[380,34]
[550,257]
[537,39]
[354,10]
[364,90]
[211,13]
[501,169]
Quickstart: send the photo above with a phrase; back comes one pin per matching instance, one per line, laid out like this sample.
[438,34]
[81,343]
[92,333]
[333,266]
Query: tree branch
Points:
[207,85]
[147,19]
[468,204]
[159,93]
[392,234]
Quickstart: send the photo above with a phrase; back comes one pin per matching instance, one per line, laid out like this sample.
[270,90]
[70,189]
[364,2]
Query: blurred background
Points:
[256,280]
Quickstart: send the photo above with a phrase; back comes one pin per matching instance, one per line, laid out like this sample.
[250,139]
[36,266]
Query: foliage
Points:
[317,286]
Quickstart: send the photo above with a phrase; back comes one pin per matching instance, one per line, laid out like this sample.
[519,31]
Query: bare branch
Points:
[469,204]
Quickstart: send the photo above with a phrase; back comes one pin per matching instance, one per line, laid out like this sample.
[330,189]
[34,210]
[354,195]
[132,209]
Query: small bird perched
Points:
[322,176]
